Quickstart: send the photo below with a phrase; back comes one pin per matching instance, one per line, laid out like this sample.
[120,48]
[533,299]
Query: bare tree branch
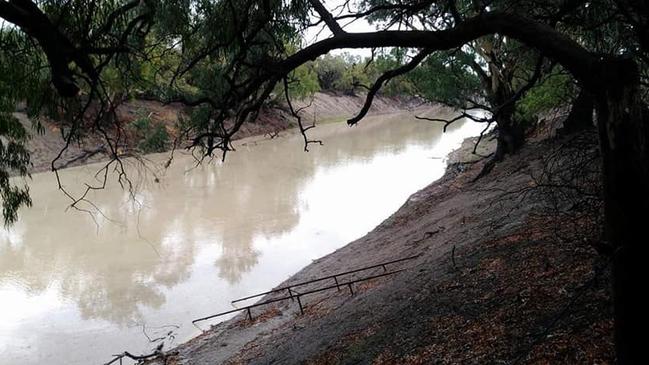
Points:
[326,16]
[298,117]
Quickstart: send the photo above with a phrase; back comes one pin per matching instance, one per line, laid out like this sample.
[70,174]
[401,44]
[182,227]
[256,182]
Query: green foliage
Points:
[554,91]
[202,70]
[330,70]
[352,74]
[401,85]
[445,79]
[21,79]
[14,160]
[303,82]
[153,76]
[152,137]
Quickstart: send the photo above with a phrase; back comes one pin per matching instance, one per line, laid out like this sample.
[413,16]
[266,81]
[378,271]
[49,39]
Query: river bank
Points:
[322,108]
[507,273]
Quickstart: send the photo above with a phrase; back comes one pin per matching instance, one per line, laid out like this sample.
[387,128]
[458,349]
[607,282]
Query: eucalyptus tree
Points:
[66,60]
[231,55]
[489,77]
[14,157]
[492,73]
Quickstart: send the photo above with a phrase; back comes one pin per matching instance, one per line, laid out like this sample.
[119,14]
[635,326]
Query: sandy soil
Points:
[501,279]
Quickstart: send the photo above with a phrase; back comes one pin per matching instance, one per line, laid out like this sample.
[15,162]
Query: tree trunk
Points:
[581,114]
[624,138]
[511,135]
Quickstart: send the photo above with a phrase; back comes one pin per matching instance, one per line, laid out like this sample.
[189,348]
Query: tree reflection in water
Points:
[123,270]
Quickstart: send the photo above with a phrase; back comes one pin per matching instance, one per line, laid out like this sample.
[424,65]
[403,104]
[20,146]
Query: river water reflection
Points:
[75,292]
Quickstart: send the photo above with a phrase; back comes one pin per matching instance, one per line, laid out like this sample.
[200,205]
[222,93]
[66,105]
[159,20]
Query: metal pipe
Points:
[383,265]
[349,283]
[300,303]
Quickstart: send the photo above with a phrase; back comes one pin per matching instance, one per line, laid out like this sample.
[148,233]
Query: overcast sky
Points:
[322,32]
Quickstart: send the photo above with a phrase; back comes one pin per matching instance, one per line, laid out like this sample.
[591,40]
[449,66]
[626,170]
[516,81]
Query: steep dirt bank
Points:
[323,108]
[507,274]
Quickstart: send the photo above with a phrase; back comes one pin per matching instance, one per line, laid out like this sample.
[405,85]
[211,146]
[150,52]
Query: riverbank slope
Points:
[507,273]
[322,108]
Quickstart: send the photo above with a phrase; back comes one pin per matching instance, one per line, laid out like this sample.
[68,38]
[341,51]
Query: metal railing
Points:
[295,295]
[335,277]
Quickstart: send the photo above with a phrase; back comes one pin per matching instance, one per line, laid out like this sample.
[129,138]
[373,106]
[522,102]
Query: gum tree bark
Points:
[510,133]
[624,139]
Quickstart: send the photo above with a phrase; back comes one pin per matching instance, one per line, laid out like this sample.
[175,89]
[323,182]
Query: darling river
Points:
[77,287]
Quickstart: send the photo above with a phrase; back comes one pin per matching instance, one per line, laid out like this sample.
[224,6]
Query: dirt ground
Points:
[507,274]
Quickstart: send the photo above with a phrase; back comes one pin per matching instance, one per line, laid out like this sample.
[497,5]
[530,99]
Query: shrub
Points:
[152,137]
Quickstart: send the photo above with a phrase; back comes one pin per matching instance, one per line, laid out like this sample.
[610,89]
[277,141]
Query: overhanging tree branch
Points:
[416,60]
[576,59]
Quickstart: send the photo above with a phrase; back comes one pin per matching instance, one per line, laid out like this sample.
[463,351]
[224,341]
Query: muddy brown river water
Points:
[77,287]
